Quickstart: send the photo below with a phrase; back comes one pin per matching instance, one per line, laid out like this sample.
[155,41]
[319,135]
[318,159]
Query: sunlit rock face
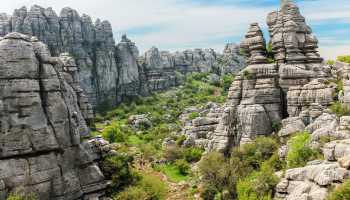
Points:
[42,119]
[264,93]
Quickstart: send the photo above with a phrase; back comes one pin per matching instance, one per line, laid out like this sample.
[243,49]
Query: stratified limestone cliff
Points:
[42,118]
[265,93]
[111,73]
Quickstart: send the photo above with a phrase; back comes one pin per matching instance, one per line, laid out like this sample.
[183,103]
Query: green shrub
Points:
[193,116]
[214,170]
[118,169]
[209,193]
[22,196]
[114,133]
[173,153]
[257,186]
[345,58]
[340,109]
[226,81]
[248,75]
[341,193]
[180,140]
[183,166]
[256,152]
[276,126]
[154,187]
[193,154]
[330,62]
[299,151]
[148,188]
[132,193]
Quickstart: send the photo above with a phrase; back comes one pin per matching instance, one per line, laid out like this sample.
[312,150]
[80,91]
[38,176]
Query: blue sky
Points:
[182,24]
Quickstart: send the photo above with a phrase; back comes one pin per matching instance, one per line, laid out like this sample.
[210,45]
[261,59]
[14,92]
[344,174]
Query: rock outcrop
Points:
[264,93]
[42,113]
[111,73]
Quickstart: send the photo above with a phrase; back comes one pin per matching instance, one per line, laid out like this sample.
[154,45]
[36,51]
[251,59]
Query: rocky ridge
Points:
[264,93]
[295,91]
[42,120]
[110,72]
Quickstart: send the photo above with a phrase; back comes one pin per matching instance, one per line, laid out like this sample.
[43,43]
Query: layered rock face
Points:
[91,44]
[265,93]
[42,115]
[160,69]
[111,73]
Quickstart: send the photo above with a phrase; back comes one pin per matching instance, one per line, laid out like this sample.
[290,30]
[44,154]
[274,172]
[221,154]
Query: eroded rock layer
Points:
[42,118]
[265,93]
[109,72]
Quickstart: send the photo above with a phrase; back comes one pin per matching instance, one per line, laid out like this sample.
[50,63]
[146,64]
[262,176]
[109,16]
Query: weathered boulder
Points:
[291,126]
[140,121]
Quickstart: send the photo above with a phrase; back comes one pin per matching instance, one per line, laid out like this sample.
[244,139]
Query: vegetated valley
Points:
[84,118]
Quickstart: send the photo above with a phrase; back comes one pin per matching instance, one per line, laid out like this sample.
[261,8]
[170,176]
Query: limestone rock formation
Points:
[111,73]
[160,69]
[232,60]
[41,122]
[296,85]
[129,79]
[255,45]
[291,38]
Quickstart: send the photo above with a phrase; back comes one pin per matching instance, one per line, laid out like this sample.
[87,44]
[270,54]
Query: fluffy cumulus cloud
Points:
[182,24]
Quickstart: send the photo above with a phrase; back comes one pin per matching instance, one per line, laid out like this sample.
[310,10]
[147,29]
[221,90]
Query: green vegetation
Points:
[21,196]
[172,172]
[345,58]
[257,186]
[248,75]
[119,169]
[341,193]
[248,173]
[300,152]
[330,62]
[140,149]
[340,109]
[147,188]
[193,116]
[270,55]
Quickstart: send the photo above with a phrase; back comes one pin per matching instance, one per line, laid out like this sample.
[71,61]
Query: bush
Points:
[193,154]
[214,170]
[180,140]
[340,109]
[226,81]
[21,196]
[257,186]
[209,193]
[173,153]
[330,62]
[193,116]
[154,187]
[299,151]
[341,193]
[132,193]
[248,75]
[117,168]
[148,188]
[113,133]
[257,152]
[345,58]
[183,166]
[276,126]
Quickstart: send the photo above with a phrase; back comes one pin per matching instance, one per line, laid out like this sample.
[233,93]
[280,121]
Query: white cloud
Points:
[187,25]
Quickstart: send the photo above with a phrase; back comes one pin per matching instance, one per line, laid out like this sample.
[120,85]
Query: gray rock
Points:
[41,124]
[291,126]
